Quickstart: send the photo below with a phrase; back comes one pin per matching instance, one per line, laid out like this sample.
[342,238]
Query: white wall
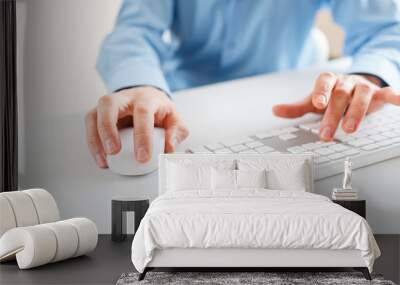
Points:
[58,46]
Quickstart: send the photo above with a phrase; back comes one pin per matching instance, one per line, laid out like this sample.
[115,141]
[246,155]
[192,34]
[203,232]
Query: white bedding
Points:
[250,218]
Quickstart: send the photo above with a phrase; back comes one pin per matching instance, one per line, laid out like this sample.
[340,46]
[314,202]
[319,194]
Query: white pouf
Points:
[7,220]
[31,233]
[45,205]
[23,208]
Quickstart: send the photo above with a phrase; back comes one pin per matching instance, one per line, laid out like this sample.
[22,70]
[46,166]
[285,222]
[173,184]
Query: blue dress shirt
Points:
[177,44]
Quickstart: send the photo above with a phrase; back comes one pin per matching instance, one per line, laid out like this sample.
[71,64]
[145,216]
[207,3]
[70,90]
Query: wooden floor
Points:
[110,260]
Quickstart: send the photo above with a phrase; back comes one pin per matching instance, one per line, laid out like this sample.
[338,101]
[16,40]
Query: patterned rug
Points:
[243,278]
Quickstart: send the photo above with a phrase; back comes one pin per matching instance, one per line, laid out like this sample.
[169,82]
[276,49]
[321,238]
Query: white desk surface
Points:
[240,107]
[217,111]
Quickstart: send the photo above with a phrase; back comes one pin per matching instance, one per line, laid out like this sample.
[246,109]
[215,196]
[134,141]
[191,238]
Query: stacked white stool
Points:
[31,230]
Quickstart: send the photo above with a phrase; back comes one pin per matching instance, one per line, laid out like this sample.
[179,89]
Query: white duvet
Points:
[250,219]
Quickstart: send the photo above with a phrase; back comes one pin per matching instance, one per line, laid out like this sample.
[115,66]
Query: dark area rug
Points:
[269,278]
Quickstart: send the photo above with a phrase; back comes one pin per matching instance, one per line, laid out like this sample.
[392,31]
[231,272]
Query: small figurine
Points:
[347,174]
[346,192]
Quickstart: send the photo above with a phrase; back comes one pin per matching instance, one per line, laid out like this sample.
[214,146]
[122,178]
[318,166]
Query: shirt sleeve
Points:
[372,29]
[131,54]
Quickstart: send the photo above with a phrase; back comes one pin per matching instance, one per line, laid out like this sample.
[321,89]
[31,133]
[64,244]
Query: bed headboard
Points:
[307,158]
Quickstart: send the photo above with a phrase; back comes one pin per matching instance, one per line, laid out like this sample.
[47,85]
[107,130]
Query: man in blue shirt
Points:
[160,46]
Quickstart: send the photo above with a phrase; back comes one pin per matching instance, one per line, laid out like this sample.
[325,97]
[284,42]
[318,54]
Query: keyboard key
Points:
[336,156]
[198,149]
[371,131]
[310,126]
[276,133]
[339,147]
[236,141]
[377,138]
[360,134]
[370,147]
[324,151]
[287,137]
[223,150]
[265,135]
[351,152]
[254,144]
[326,144]
[289,130]
[395,140]
[393,125]
[264,149]
[311,146]
[360,142]
[348,138]
[390,134]
[214,146]
[296,149]
[248,151]
[341,137]
[370,126]
[385,142]
[238,148]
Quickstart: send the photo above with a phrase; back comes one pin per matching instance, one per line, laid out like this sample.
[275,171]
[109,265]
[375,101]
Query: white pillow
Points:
[188,177]
[283,173]
[295,180]
[223,179]
[251,178]
[227,179]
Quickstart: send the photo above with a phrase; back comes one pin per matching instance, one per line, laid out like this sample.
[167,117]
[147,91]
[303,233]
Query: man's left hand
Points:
[337,97]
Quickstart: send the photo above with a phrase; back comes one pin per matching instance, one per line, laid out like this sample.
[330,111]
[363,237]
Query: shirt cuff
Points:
[135,73]
[379,66]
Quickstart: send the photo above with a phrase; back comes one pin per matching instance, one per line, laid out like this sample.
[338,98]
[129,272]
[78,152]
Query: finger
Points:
[388,95]
[338,102]
[143,122]
[175,132]
[93,139]
[323,89]
[294,110]
[107,117]
[375,105]
[358,107]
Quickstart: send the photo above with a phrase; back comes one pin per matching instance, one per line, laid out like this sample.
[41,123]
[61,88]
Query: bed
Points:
[247,211]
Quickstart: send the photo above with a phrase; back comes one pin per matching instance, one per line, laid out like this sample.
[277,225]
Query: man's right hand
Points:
[142,107]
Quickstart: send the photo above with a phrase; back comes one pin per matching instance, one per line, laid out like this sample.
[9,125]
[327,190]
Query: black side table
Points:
[357,206]
[119,207]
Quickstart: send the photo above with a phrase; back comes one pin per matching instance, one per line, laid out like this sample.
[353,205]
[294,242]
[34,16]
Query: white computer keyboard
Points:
[377,139]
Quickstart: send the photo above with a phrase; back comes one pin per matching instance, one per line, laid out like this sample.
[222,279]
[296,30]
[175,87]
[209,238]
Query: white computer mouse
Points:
[125,163]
